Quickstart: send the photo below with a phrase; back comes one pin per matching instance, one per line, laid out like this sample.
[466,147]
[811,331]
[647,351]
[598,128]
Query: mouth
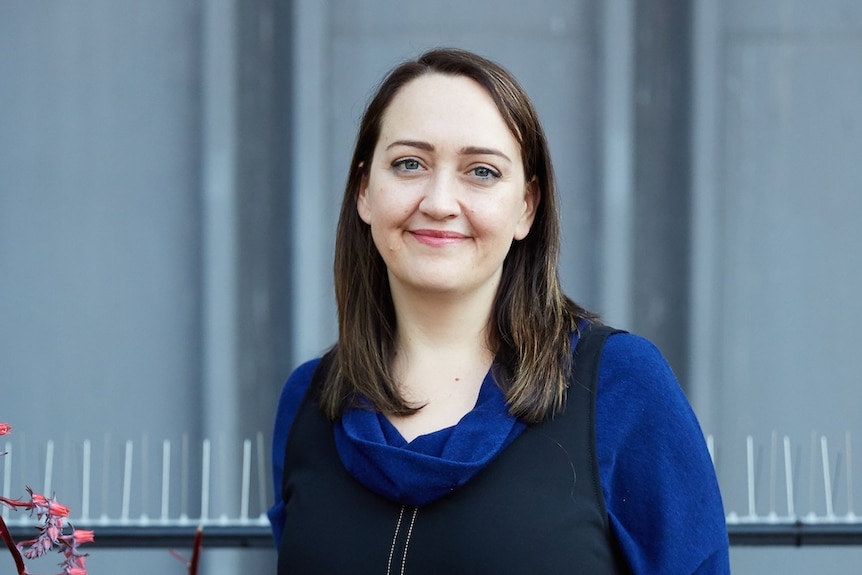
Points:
[437,237]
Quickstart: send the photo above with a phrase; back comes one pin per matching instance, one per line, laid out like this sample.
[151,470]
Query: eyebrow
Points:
[412,144]
[465,151]
[477,151]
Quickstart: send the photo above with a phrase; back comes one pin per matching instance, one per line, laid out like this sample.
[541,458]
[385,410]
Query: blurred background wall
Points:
[171,173]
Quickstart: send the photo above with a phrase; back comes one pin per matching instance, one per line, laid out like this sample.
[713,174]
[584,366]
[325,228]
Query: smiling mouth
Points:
[437,237]
[442,234]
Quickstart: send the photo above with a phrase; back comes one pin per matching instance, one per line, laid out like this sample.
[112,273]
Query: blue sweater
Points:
[658,482]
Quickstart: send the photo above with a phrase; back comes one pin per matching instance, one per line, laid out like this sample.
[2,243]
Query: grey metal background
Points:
[171,171]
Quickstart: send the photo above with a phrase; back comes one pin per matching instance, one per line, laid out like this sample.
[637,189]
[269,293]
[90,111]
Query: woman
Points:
[452,428]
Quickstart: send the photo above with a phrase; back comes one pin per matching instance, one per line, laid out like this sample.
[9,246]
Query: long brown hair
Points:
[532,317]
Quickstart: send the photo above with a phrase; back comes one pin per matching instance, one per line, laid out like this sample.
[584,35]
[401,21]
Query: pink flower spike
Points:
[43,505]
[82,536]
[37,499]
[5,428]
[76,571]
[58,510]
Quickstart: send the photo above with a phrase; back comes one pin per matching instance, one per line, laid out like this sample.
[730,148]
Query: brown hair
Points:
[532,318]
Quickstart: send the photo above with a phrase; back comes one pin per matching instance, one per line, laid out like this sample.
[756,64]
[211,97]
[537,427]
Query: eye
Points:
[407,165]
[485,173]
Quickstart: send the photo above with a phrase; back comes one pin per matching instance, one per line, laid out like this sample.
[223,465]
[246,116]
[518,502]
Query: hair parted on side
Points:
[532,317]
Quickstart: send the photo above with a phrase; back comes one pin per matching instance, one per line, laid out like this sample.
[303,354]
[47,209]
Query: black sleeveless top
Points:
[537,508]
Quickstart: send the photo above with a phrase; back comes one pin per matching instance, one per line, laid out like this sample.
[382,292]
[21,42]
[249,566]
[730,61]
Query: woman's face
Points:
[445,194]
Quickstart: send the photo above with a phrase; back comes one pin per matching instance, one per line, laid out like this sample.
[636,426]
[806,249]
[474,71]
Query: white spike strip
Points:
[49,468]
[222,472]
[773,474]
[127,482]
[85,482]
[246,479]
[7,477]
[749,451]
[184,479]
[106,459]
[849,448]
[145,473]
[261,475]
[788,478]
[228,468]
[166,479]
[68,454]
[205,481]
[812,476]
[827,481]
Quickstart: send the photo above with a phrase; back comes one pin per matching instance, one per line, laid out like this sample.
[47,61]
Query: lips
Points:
[437,237]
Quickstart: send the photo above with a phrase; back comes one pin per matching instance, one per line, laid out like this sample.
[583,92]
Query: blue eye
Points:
[407,165]
[485,173]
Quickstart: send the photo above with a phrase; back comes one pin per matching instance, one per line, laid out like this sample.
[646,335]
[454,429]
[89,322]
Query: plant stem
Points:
[13,549]
[196,551]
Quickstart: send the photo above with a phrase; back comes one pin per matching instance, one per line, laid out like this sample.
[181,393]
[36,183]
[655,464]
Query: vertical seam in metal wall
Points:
[310,261]
[617,161]
[220,329]
[705,192]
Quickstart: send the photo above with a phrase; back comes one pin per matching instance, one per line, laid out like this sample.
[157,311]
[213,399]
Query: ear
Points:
[362,205]
[532,197]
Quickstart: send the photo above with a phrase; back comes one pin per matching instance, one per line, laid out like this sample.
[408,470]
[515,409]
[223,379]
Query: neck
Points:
[445,323]
[442,356]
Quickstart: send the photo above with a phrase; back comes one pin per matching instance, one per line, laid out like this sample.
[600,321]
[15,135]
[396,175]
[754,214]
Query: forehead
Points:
[446,107]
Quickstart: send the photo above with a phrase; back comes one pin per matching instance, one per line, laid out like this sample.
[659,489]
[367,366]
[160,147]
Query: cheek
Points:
[372,205]
[385,239]
[390,209]
[495,217]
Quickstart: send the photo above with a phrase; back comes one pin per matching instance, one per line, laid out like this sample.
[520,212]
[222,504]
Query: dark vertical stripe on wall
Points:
[263,204]
[195,126]
[282,126]
[662,177]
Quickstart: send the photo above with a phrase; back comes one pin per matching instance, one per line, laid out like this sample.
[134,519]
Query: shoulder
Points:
[639,387]
[639,400]
[294,391]
[301,376]
[629,359]
[653,463]
[292,394]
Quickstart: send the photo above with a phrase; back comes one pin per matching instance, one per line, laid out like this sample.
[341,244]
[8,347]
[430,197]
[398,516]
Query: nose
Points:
[440,199]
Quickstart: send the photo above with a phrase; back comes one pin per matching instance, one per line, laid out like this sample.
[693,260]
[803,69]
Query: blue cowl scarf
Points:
[432,465]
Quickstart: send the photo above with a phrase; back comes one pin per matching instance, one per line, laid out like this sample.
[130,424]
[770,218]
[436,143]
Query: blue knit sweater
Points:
[659,485]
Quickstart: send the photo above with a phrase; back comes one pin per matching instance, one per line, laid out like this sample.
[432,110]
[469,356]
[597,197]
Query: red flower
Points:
[58,510]
[51,507]
[4,428]
[82,536]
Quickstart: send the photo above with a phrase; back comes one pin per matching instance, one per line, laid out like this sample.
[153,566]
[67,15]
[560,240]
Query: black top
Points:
[537,508]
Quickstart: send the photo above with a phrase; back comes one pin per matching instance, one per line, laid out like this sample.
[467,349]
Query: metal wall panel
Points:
[777,271]
[99,242]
